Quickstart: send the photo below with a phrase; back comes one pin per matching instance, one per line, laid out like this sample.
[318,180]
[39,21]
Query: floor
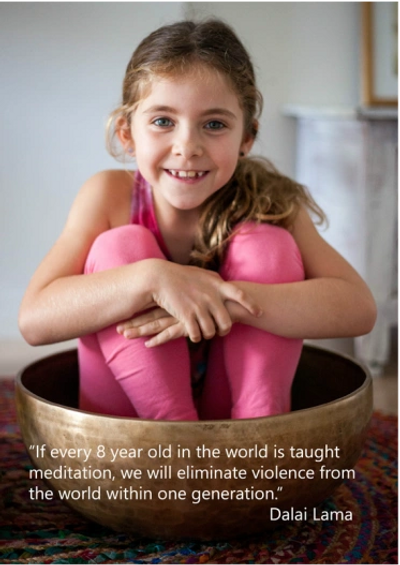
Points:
[14,355]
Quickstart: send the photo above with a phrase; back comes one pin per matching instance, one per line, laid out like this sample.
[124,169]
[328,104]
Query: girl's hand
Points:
[192,302]
[196,298]
[164,327]
[157,323]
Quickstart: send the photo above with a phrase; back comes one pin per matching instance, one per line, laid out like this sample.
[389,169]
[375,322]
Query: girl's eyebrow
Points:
[157,108]
[221,112]
[211,111]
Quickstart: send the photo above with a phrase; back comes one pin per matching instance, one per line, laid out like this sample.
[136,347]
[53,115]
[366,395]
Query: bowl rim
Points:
[365,385]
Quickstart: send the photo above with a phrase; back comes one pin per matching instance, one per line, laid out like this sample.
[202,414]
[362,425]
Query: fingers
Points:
[193,329]
[195,302]
[207,326]
[157,323]
[143,324]
[172,332]
[141,319]
[223,321]
[149,328]
[232,292]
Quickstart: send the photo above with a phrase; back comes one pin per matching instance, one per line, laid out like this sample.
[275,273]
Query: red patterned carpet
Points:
[48,532]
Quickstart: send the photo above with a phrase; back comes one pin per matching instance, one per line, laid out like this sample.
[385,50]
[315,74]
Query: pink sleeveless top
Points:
[143,214]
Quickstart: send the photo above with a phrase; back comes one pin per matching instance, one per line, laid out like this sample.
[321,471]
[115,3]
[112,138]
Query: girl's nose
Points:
[187,144]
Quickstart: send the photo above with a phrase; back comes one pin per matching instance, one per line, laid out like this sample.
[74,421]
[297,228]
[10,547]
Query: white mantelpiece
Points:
[340,112]
[348,160]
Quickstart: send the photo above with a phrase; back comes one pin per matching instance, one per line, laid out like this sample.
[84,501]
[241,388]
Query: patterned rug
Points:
[48,532]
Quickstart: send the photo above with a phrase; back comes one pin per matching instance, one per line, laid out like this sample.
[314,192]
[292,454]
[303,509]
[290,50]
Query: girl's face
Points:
[187,135]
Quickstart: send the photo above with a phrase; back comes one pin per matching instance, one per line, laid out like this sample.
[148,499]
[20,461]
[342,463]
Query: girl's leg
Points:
[155,381]
[258,366]
[99,391]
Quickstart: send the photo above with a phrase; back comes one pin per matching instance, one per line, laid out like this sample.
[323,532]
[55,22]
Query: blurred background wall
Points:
[62,66]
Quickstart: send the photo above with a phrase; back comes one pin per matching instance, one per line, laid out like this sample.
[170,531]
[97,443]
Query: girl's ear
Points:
[248,139]
[124,135]
[246,145]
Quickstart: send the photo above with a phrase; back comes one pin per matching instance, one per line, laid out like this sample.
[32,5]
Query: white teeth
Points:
[186,174]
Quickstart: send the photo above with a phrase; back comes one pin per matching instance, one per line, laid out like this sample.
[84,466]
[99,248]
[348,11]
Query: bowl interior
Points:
[322,376]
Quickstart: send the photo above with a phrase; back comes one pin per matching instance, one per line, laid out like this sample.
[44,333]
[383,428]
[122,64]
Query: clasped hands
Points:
[191,302]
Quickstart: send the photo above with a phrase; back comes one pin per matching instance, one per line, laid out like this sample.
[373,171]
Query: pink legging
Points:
[249,371]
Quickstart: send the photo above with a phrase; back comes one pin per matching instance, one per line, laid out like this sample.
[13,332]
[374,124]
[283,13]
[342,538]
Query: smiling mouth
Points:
[186,174]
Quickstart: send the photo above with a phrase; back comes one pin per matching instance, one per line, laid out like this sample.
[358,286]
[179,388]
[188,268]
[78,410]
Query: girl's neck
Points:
[178,229]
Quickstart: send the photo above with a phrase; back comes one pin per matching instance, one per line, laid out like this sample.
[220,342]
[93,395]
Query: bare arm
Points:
[61,304]
[333,301]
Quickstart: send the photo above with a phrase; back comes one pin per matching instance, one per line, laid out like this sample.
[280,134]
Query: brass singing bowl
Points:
[332,406]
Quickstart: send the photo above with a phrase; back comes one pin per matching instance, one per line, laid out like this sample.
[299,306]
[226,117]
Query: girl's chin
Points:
[186,206]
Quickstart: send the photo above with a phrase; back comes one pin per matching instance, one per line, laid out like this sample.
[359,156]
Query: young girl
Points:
[203,260]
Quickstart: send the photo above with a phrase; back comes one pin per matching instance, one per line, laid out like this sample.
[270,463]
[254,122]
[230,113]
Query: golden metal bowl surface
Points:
[210,479]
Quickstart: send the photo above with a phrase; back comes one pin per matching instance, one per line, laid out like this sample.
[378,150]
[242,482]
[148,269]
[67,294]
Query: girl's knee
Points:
[263,253]
[121,246]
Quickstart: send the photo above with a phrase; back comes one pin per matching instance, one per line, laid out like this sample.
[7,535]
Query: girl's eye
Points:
[214,124]
[162,122]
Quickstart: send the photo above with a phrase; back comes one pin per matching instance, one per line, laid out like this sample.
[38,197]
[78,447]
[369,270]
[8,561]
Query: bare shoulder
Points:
[303,228]
[105,196]
[102,203]
[320,259]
